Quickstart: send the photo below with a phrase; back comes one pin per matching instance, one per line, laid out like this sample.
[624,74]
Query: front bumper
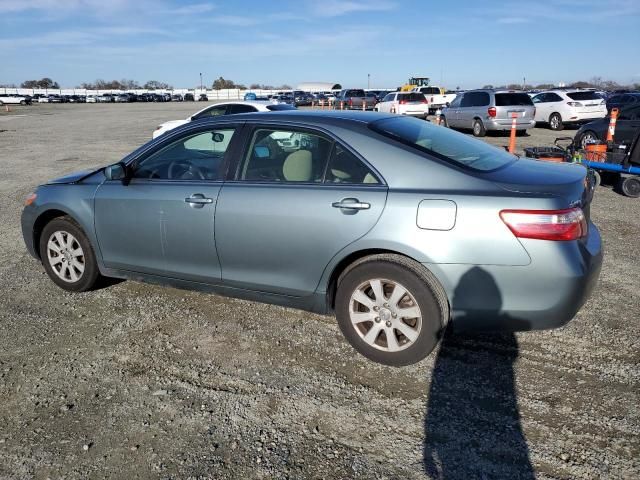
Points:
[545,294]
[27,222]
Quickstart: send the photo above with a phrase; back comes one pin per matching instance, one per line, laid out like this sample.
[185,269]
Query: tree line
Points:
[222,84]
[595,82]
[125,84]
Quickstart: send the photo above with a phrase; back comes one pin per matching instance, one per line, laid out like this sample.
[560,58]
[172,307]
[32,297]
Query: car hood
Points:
[74,177]
[535,176]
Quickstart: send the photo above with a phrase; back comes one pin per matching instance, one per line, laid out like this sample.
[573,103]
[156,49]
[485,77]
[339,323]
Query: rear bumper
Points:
[505,124]
[580,119]
[545,294]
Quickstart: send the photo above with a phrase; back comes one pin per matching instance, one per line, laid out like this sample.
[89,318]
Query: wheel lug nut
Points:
[376,308]
[389,324]
[377,319]
[394,315]
[386,305]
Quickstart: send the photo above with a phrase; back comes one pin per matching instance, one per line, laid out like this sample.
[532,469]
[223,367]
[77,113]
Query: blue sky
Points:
[464,43]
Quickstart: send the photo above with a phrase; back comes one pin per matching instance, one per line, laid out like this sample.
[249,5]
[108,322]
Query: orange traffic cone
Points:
[341,104]
[612,124]
[512,139]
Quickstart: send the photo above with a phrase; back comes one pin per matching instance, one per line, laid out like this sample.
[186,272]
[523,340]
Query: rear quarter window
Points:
[508,99]
[355,93]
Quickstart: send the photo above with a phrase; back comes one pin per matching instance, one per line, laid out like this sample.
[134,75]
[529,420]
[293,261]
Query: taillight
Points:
[558,225]
[402,102]
[350,101]
[425,100]
[492,111]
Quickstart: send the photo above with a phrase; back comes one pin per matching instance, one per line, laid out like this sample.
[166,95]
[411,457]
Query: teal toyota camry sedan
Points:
[398,227]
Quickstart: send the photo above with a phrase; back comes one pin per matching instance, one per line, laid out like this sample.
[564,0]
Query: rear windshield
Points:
[412,97]
[280,106]
[584,96]
[354,93]
[507,99]
[443,143]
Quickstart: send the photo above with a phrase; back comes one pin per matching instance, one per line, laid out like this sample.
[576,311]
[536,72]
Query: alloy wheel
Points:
[385,315]
[65,256]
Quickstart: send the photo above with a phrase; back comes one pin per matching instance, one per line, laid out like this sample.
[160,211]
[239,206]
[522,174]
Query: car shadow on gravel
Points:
[472,422]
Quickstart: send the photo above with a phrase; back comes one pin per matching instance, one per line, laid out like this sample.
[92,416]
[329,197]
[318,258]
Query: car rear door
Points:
[297,197]
[161,221]
[628,124]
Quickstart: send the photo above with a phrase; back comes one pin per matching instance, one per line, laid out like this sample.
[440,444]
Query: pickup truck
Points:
[353,99]
[436,97]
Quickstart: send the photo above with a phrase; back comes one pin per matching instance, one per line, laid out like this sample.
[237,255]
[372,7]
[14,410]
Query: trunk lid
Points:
[569,181]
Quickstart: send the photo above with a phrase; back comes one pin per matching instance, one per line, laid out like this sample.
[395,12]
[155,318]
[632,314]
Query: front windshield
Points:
[443,143]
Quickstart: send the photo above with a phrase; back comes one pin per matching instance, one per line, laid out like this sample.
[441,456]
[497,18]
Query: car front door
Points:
[296,199]
[161,221]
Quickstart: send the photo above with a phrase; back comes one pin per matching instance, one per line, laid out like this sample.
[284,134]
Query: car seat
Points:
[298,166]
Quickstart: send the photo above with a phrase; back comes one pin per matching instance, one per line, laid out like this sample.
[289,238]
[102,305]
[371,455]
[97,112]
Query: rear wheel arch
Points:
[356,258]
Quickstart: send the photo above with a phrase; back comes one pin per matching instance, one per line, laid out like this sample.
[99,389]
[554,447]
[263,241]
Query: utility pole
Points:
[524,82]
[368,81]
[201,82]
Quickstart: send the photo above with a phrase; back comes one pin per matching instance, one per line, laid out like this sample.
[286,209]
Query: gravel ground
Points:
[141,381]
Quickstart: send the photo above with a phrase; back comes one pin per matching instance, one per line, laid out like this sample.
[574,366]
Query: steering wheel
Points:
[184,170]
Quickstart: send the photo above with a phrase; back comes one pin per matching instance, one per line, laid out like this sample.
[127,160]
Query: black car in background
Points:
[188,97]
[203,98]
[627,126]
[619,100]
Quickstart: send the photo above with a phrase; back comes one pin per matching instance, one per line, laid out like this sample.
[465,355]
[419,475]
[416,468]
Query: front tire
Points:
[588,137]
[478,128]
[67,256]
[555,122]
[391,309]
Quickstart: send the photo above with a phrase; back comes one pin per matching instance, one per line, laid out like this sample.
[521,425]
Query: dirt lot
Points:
[139,381]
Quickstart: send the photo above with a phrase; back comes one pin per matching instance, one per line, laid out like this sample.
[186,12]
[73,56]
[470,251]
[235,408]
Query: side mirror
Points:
[115,172]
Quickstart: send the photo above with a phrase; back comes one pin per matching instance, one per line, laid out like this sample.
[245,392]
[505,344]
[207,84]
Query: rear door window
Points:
[508,99]
[240,108]
[211,112]
[345,167]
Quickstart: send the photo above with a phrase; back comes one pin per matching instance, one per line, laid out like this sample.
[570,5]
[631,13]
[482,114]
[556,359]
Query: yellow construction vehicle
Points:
[415,82]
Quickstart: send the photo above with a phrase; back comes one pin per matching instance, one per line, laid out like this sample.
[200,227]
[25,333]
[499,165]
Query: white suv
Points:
[414,104]
[561,107]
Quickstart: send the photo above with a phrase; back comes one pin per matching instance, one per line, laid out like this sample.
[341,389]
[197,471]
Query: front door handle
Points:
[198,200]
[351,204]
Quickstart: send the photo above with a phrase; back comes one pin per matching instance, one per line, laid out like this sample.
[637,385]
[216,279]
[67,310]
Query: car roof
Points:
[316,117]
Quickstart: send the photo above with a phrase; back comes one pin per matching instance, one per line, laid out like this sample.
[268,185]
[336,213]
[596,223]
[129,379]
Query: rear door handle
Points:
[198,200]
[351,204]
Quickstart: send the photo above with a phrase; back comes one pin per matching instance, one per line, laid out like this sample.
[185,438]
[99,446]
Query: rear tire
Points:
[630,186]
[391,309]
[478,128]
[555,122]
[67,255]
